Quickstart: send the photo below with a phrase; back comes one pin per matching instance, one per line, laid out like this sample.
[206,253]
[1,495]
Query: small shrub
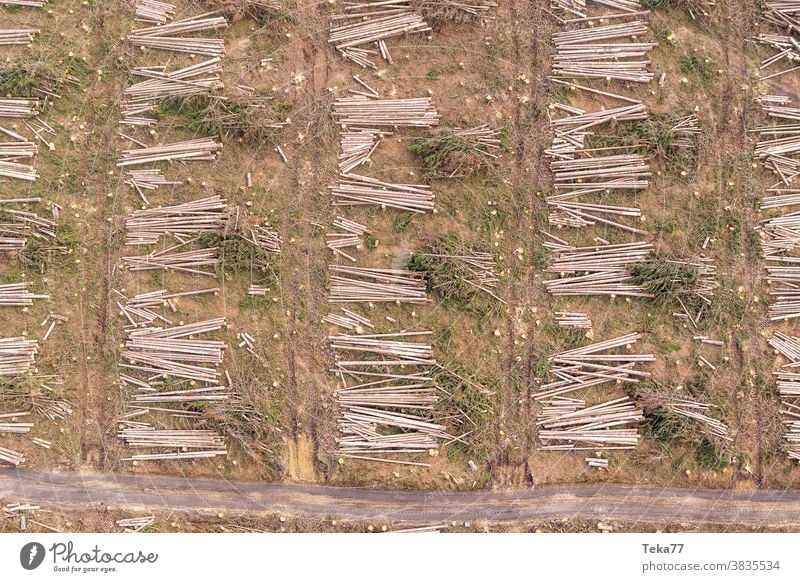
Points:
[256,121]
[709,457]
[665,278]
[445,276]
[238,255]
[446,154]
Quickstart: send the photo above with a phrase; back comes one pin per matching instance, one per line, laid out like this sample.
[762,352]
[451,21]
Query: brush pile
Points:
[458,153]
[265,237]
[454,272]
[688,283]
[696,411]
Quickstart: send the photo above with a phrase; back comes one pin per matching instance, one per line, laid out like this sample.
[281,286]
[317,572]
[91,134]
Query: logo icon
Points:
[31,555]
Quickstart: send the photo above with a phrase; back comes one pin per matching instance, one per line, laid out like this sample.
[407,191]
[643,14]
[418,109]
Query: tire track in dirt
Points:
[528,177]
[95,163]
[308,180]
[732,131]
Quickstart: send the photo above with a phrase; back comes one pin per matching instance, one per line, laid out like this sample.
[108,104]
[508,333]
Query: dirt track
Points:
[620,502]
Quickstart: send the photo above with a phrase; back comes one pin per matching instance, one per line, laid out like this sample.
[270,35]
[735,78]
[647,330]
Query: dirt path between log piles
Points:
[630,503]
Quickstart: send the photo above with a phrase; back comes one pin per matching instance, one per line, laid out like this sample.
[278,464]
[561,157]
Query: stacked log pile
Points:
[387,395]
[12,36]
[18,295]
[195,261]
[349,238]
[594,365]
[349,320]
[364,285]
[144,309]
[357,190]
[360,111]
[140,98]
[386,408]
[154,12]
[23,393]
[193,150]
[609,425]
[168,370]
[788,384]
[18,107]
[371,22]
[145,227]
[601,270]
[17,355]
[602,40]
[172,36]
[778,149]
